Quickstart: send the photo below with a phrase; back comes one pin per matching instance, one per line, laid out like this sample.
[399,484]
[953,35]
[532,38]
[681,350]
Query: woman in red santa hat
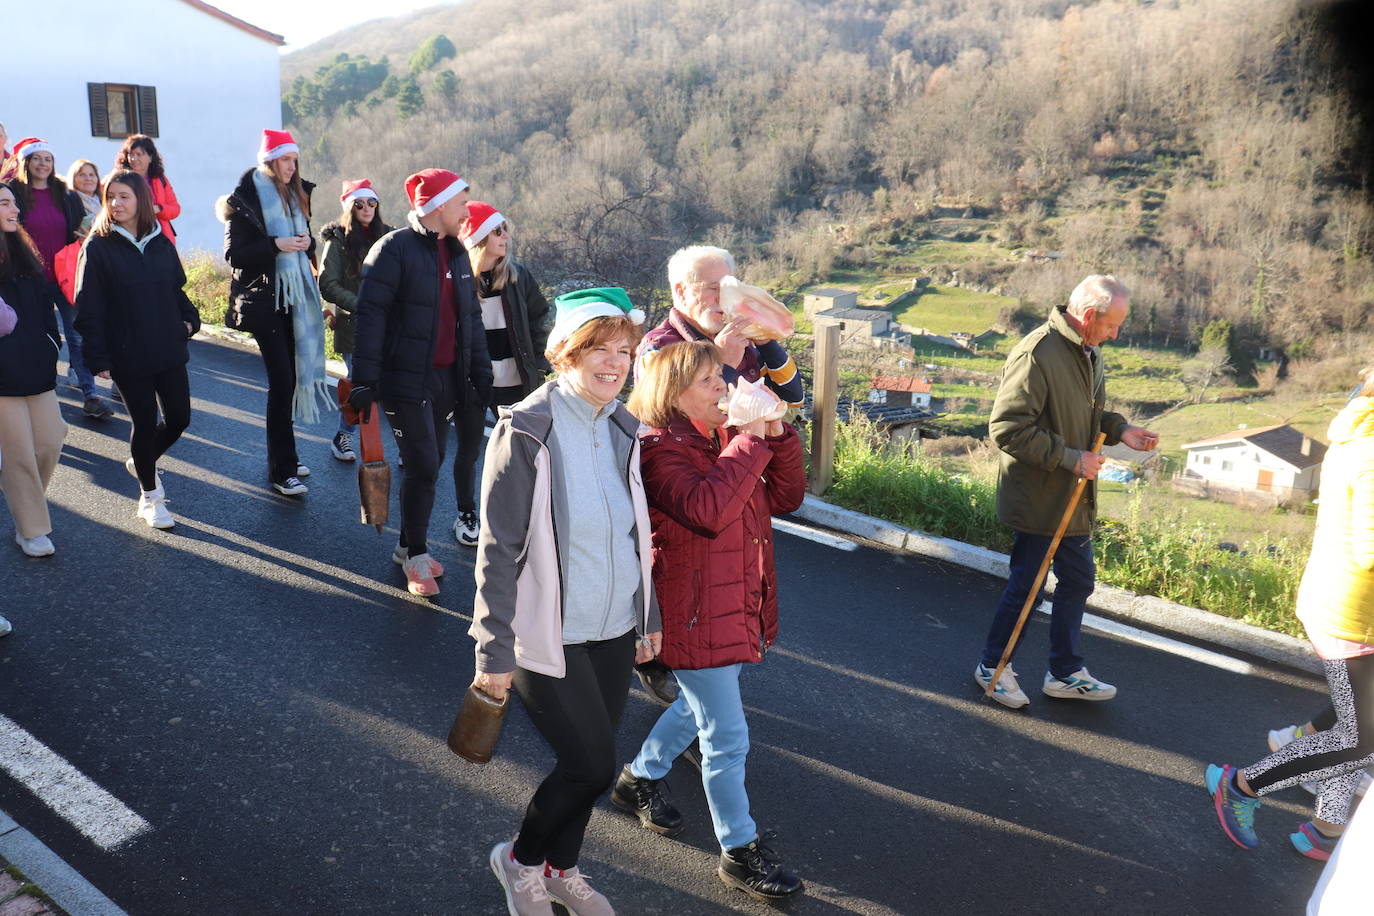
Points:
[273,296]
[346,243]
[516,317]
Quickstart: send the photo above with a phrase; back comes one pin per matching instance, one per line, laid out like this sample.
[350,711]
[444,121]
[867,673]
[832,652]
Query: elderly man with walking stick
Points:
[1049,410]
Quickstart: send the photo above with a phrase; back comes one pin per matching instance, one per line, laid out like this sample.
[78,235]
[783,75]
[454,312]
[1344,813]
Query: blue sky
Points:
[305,21]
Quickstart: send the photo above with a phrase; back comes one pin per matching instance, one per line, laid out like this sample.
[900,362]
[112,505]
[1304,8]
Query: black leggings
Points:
[577,714]
[421,431]
[1335,757]
[149,439]
[471,422]
[277,344]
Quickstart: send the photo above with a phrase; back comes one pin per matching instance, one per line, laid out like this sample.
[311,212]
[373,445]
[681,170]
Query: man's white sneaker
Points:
[152,508]
[35,547]
[1077,686]
[1008,691]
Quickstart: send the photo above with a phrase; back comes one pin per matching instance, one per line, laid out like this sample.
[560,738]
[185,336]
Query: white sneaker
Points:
[152,508]
[302,471]
[1280,737]
[291,486]
[133,471]
[5,627]
[466,528]
[35,547]
[1077,686]
[1008,692]
[526,894]
[400,555]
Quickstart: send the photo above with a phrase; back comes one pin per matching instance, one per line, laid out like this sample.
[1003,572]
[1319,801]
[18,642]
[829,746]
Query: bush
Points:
[207,286]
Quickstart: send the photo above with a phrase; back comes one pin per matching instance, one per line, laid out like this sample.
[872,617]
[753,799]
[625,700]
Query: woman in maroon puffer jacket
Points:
[712,491]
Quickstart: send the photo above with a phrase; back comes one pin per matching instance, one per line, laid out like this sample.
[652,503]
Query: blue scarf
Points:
[297,294]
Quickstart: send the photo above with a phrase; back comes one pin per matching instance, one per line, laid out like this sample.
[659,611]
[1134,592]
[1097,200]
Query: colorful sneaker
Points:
[152,508]
[466,528]
[569,887]
[1309,841]
[526,894]
[1235,810]
[1008,692]
[1284,736]
[400,555]
[1077,686]
[342,447]
[419,576]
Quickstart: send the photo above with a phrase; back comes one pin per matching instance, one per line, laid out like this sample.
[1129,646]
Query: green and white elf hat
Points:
[572,310]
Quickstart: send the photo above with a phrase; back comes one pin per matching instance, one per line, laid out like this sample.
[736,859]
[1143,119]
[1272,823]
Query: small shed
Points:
[1273,459]
[867,323]
[900,391]
[819,300]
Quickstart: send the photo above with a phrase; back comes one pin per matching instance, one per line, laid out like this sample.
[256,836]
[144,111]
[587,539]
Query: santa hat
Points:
[275,144]
[482,219]
[430,189]
[357,190]
[30,145]
[577,308]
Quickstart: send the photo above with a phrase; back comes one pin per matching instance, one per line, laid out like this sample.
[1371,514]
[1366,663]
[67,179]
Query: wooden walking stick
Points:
[1044,569]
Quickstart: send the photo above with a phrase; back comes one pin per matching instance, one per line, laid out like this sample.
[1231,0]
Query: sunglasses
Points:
[498,231]
[366,202]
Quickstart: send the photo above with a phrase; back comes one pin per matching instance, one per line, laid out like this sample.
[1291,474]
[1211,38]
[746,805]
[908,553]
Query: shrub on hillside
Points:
[432,50]
[207,286]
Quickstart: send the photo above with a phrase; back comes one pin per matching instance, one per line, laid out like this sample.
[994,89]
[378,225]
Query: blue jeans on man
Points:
[1074,566]
[84,379]
[709,707]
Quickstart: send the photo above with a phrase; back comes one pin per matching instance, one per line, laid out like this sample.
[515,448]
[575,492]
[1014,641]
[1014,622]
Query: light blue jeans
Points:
[708,707]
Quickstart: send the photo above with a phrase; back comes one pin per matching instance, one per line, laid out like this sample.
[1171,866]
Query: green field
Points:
[947,309]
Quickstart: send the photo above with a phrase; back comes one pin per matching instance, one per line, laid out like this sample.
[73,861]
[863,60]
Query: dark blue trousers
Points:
[1073,564]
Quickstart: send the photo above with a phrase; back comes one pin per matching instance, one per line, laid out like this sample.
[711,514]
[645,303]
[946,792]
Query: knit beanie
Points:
[572,310]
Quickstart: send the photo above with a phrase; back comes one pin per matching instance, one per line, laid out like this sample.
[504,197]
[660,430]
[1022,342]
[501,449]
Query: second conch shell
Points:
[768,318]
[750,401]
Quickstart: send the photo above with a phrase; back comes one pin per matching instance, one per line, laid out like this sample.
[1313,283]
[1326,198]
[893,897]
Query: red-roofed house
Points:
[1274,459]
[900,391]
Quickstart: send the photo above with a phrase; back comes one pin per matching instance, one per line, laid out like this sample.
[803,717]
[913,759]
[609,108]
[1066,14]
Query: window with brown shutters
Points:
[121,109]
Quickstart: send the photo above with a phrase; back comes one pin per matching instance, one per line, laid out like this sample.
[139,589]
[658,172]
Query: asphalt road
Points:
[257,685]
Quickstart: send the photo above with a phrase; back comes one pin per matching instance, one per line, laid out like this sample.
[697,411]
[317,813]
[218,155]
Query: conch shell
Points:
[749,401]
[768,318]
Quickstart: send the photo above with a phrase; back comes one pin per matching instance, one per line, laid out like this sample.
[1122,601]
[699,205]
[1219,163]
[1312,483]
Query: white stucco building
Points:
[1275,459]
[202,83]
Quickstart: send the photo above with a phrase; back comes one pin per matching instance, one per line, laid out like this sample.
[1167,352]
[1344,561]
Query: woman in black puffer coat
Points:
[31,427]
[135,319]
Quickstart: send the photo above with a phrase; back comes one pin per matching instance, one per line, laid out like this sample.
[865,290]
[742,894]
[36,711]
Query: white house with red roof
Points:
[900,391]
[1273,459]
[202,83]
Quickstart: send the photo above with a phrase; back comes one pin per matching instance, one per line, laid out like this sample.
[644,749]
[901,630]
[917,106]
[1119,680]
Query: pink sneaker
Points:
[420,576]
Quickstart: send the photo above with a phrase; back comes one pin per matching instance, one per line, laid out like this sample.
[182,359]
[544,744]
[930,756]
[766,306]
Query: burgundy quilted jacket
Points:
[710,509]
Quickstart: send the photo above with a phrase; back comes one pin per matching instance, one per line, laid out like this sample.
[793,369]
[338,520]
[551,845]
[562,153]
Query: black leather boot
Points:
[641,797]
[755,869]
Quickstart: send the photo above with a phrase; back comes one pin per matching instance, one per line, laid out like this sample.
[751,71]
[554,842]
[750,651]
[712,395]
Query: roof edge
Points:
[236,22]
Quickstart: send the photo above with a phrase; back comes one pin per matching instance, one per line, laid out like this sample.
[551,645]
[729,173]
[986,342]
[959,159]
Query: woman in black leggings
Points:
[1336,605]
[135,319]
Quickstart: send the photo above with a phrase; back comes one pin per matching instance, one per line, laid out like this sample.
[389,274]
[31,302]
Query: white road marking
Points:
[812,534]
[104,819]
[1162,643]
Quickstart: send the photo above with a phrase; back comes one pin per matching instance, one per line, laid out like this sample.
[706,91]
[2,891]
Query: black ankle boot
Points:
[755,869]
[641,797]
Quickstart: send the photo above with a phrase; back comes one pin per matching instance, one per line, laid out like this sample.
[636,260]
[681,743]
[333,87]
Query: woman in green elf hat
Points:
[562,502]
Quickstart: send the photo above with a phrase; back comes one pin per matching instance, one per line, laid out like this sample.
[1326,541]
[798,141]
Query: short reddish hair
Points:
[568,352]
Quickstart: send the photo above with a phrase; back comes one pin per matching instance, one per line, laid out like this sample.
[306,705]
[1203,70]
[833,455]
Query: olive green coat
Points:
[339,284]
[1048,411]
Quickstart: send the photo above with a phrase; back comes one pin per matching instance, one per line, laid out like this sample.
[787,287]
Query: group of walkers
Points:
[609,536]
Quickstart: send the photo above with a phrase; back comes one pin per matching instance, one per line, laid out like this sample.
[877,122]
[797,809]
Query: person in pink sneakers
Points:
[564,561]
[1336,605]
[419,347]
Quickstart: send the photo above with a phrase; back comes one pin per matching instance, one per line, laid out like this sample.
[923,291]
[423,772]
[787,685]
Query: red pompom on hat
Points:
[357,190]
[482,219]
[430,189]
[275,144]
[30,145]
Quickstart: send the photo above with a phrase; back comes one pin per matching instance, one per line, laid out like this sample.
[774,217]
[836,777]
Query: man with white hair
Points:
[1048,412]
[694,273]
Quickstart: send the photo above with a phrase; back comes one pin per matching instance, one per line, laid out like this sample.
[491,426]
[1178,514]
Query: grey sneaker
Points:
[96,409]
[571,889]
[1008,692]
[523,884]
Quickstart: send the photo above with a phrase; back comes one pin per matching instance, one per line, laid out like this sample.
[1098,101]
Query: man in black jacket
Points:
[420,348]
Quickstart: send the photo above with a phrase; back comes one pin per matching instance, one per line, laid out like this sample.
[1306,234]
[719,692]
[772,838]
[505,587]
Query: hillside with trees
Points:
[1200,149]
